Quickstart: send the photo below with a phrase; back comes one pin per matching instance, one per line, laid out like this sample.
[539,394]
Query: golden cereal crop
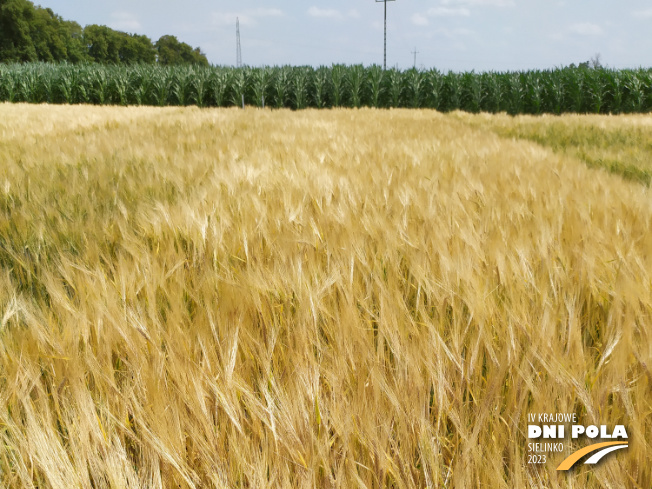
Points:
[341,298]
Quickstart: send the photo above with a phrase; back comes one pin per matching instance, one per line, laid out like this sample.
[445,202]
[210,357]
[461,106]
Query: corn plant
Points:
[63,87]
[554,92]
[81,92]
[47,87]
[337,84]
[646,81]
[280,85]
[517,93]
[355,83]
[260,82]
[218,86]
[139,85]
[574,89]
[433,88]
[534,88]
[394,79]
[320,87]
[100,85]
[635,92]
[452,87]
[414,84]
[119,86]
[492,92]
[615,91]
[29,87]
[300,80]
[239,86]
[181,85]
[375,77]
[472,95]
[596,90]
[199,86]
[11,83]
[5,73]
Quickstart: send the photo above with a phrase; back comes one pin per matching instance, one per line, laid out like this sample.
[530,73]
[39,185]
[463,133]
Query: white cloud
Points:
[455,34]
[461,31]
[456,8]
[449,12]
[643,14]
[586,29]
[423,19]
[228,18]
[420,19]
[265,12]
[248,17]
[480,3]
[331,13]
[325,13]
[124,21]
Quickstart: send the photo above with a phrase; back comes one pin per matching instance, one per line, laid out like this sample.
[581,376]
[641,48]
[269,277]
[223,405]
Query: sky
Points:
[458,35]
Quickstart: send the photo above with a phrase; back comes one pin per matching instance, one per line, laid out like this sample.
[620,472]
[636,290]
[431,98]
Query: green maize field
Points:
[557,91]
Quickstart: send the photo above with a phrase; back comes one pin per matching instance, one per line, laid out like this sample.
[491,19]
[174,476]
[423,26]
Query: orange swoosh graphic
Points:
[574,457]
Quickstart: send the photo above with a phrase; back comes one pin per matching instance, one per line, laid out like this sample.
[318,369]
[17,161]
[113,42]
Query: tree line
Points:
[32,33]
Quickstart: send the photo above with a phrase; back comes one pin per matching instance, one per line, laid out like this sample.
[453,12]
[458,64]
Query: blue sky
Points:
[455,35]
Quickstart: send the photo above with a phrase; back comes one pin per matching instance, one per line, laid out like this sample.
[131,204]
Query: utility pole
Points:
[238,49]
[415,52]
[385,39]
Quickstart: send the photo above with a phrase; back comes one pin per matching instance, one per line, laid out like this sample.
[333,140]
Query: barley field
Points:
[224,298]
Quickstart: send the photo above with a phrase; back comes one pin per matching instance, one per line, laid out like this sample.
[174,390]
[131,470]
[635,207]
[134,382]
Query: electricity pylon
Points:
[238,49]
[385,41]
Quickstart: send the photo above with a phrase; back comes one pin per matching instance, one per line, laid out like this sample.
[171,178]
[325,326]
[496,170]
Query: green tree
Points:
[102,44]
[48,36]
[77,50]
[29,33]
[15,40]
[136,49]
[173,52]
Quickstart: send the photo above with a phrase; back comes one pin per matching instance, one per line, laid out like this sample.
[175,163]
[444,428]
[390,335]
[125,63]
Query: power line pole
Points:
[238,53]
[415,52]
[385,39]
